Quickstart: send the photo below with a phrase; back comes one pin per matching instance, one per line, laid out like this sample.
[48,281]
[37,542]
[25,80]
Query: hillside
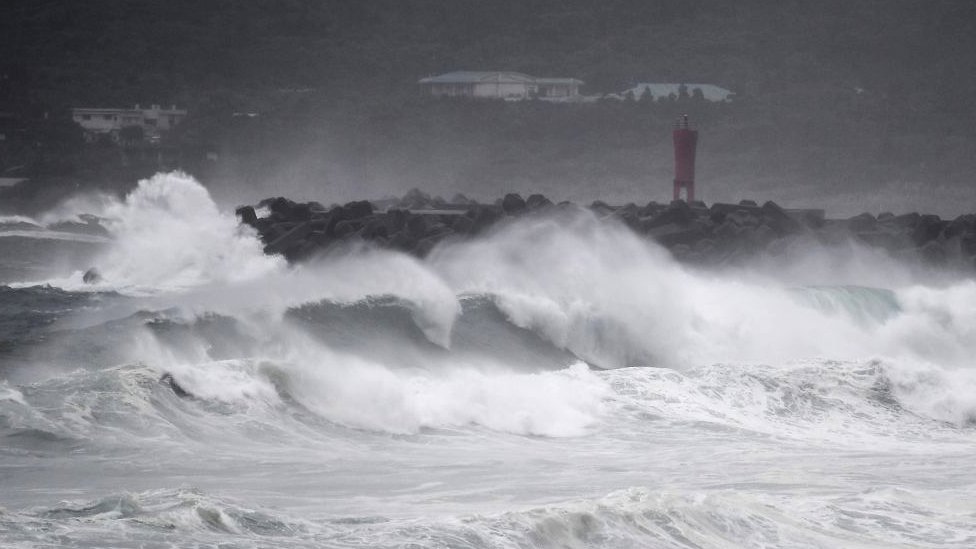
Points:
[874,98]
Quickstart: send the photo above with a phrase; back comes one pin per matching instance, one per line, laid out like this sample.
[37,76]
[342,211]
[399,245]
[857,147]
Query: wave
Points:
[589,287]
[168,235]
[737,517]
[153,517]
[318,398]
[388,342]
[634,517]
[863,304]
[15,221]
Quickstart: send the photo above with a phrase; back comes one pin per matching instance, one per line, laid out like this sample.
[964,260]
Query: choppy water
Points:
[557,383]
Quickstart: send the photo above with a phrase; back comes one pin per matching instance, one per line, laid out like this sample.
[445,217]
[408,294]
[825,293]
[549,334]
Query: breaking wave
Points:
[563,339]
[534,296]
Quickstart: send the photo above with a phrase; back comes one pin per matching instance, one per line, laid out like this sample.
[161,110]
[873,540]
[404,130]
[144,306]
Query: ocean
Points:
[558,382]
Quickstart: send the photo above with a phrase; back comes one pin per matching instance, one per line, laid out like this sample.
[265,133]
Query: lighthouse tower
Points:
[685,142]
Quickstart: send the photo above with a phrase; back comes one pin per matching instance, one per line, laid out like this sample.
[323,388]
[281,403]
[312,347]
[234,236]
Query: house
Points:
[152,123]
[512,86]
[657,92]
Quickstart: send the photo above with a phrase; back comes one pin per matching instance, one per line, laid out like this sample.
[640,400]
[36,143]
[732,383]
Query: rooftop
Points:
[474,77]
[503,77]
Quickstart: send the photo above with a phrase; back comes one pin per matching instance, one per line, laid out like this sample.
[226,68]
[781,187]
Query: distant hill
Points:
[863,94]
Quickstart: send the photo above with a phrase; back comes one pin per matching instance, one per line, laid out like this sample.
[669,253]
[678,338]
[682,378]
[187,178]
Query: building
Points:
[657,92]
[152,123]
[511,86]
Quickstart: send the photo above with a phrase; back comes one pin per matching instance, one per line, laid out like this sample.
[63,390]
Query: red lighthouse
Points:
[685,141]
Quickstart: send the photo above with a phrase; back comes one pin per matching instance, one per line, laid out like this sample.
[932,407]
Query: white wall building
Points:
[153,121]
[511,86]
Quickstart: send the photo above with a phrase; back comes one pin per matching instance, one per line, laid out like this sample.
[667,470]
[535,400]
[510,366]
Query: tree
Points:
[683,93]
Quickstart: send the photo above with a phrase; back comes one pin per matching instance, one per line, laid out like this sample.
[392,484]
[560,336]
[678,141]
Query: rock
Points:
[247,215]
[280,206]
[933,253]
[275,231]
[720,210]
[906,220]
[601,208]
[728,230]
[513,204]
[744,218]
[335,215]
[415,199]
[283,243]
[425,245]
[320,238]
[437,229]
[928,228]
[463,224]
[704,246]
[347,227]
[962,225]
[536,201]
[417,226]
[777,219]
[376,227]
[484,217]
[652,208]
[814,218]
[263,225]
[304,250]
[674,234]
[678,212]
[968,244]
[862,223]
[763,236]
[91,276]
[396,220]
[629,217]
[720,234]
[403,241]
[301,212]
[358,209]
[884,239]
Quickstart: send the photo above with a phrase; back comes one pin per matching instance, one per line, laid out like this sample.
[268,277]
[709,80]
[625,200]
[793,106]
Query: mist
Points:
[850,106]
[326,273]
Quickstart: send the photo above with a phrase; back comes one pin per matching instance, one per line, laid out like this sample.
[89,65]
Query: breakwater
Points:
[710,235]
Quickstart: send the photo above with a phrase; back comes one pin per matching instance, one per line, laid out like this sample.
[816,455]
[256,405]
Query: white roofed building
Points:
[512,86]
[153,121]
